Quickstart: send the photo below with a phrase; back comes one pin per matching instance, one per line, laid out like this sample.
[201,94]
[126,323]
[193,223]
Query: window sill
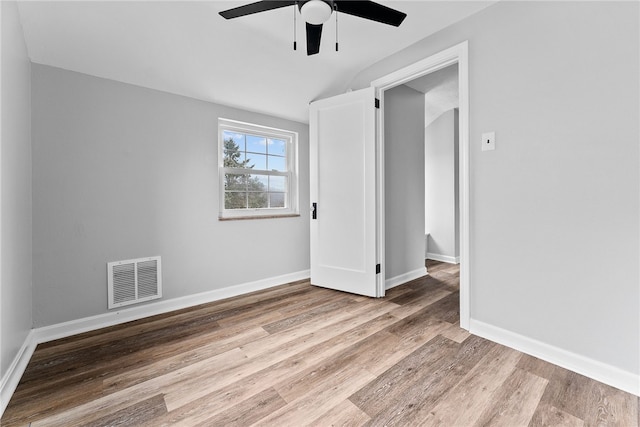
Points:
[242,218]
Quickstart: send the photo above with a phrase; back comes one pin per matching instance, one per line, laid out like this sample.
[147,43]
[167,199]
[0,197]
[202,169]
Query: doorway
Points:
[455,55]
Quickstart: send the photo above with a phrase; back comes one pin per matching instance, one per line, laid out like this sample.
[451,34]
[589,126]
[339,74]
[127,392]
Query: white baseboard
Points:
[73,327]
[404,278]
[599,371]
[443,258]
[10,380]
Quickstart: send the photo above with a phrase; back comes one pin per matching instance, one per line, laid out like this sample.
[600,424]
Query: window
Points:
[258,170]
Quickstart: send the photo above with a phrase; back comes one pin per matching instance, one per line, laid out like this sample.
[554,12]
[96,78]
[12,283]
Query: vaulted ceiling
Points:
[186,48]
[440,90]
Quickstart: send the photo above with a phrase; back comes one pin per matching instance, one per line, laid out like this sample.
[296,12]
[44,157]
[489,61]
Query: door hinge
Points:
[314,210]
[377,103]
[377,268]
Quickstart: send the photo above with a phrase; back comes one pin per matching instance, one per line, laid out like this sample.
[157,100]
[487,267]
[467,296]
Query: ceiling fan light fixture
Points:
[316,12]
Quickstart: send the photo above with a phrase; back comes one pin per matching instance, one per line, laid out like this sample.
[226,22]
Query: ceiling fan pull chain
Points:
[295,27]
[335,8]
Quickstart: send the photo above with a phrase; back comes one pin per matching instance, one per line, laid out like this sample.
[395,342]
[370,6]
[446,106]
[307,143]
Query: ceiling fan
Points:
[317,12]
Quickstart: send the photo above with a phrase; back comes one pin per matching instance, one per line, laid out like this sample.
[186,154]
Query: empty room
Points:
[320,212]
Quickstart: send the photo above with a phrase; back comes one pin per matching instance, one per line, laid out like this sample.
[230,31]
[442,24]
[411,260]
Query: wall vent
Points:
[133,281]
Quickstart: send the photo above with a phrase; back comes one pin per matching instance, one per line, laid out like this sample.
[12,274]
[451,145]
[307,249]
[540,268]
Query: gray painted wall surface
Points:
[123,172]
[554,209]
[404,180]
[441,195]
[15,261]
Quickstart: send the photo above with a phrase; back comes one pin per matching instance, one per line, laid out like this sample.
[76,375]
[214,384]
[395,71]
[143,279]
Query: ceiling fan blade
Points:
[314,33]
[251,8]
[373,11]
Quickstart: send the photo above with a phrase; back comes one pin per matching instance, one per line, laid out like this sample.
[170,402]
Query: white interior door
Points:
[343,191]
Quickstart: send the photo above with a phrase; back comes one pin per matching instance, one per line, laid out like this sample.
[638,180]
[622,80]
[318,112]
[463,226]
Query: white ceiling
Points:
[186,48]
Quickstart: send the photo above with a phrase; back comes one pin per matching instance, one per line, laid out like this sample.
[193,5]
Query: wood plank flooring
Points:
[299,355]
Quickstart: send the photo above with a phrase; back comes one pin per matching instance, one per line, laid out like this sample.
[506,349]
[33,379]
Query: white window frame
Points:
[291,139]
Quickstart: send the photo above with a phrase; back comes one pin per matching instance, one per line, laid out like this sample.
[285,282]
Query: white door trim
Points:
[457,54]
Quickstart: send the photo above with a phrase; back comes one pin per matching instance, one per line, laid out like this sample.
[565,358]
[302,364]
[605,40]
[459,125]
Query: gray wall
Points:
[123,172]
[441,189]
[404,181]
[15,191]
[554,209]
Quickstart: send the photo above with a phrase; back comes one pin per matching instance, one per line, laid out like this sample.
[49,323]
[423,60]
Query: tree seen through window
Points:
[253,172]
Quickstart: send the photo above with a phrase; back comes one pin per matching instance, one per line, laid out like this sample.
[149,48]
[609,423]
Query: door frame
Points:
[456,54]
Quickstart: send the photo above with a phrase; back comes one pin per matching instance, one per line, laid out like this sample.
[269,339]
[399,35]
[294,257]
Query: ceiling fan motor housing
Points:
[316,12]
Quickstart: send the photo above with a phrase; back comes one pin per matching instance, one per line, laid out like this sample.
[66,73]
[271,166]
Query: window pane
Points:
[256,144]
[278,183]
[277,147]
[233,140]
[277,200]
[277,163]
[235,200]
[258,182]
[258,200]
[258,161]
[235,182]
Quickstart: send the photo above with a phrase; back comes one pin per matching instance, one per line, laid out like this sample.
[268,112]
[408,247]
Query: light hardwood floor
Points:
[301,355]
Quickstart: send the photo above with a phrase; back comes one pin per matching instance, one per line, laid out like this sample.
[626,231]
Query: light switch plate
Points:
[488,141]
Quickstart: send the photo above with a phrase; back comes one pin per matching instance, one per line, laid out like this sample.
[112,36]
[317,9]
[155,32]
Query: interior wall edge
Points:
[15,195]
[11,378]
